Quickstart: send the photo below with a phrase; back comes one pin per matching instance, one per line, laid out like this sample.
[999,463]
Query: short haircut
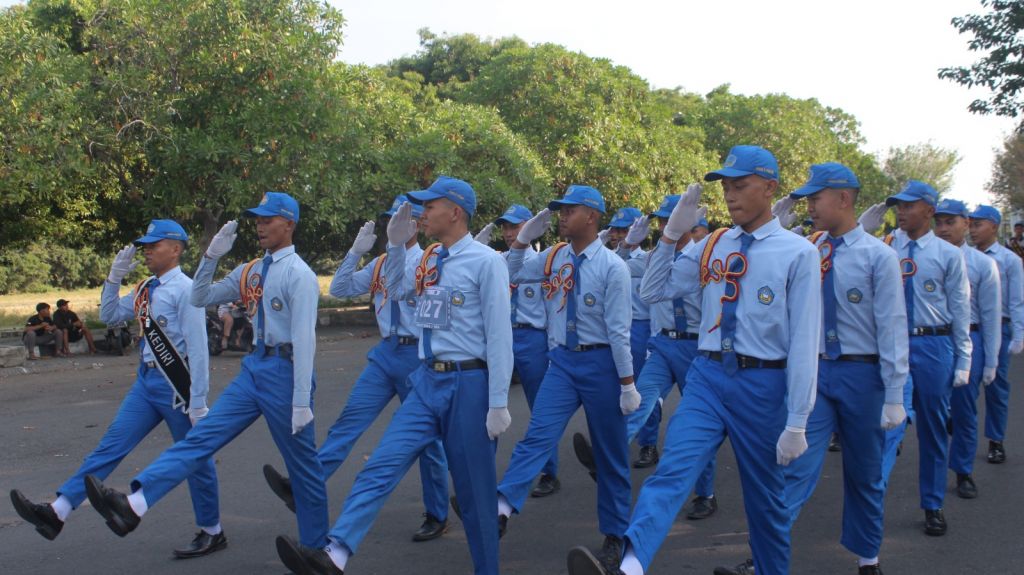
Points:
[41,306]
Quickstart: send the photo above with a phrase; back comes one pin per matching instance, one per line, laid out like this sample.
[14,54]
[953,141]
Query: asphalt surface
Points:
[50,420]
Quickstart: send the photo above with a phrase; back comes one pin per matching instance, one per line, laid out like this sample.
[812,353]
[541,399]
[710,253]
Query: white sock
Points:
[712,496]
[62,507]
[137,501]
[862,561]
[504,508]
[630,564]
[338,553]
[215,530]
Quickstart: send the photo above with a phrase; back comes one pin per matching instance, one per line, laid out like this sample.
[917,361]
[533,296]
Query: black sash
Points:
[170,363]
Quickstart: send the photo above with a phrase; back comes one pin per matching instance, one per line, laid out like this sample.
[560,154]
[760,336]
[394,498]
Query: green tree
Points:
[925,162]
[1007,182]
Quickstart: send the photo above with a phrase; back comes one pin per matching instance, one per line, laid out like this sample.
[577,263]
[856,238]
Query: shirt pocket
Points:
[765,301]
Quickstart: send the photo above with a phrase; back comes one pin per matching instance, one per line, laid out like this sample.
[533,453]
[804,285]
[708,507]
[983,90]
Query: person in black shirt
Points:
[40,330]
[74,328]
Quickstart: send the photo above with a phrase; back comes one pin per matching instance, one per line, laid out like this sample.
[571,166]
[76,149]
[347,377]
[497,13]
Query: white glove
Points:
[988,375]
[792,443]
[402,227]
[893,414]
[797,229]
[498,420]
[364,240]
[1016,347]
[124,263]
[301,417]
[960,377]
[485,235]
[222,242]
[638,231]
[602,236]
[629,399]
[783,209]
[197,413]
[685,215]
[534,227]
[873,217]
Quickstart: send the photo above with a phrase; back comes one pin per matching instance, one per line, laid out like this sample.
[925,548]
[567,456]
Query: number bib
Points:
[434,308]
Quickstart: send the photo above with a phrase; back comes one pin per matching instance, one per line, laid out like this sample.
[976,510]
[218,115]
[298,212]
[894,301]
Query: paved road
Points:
[48,421]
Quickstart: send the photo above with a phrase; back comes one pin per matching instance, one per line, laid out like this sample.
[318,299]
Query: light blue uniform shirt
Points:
[871,315]
[474,278]
[530,307]
[986,301]
[290,298]
[636,261]
[778,314]
[184,324]
[671,275]
[603,302]
[1011,279]
[942,295]
[348,282]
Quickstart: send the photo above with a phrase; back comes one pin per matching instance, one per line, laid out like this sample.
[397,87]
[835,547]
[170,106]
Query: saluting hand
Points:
[534,227]
[402,227]
[364,240]
[602,236]
[685,215]
[783,209]
[498,420]
[124,263]
[221,243]
[486,234]
[638,231]
[873,217]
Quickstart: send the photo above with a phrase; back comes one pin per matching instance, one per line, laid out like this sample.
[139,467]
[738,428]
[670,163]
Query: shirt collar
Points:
[994,248]
[903,239]
[851,237]
[461,244]
[169,274]
[282,253]
[637,252]
[591,250]
[768,228]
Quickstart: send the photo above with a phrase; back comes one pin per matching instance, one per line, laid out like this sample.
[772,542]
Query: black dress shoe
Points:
[581,561]
[648,457]
[934,522]
[303,560]
[203,544]
[745,568]
[965,487]
[39,514]
[112,505]
[584,454]
[546,485]
[280,485]
[432,528]
[996,453]
[611,552]
[702,507]
[869,570]
[833,443]
[502,519]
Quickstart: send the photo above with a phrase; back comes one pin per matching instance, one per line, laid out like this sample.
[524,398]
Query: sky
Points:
[877,60]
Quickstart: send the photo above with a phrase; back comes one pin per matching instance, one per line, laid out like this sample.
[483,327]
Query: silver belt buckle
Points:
[440,366]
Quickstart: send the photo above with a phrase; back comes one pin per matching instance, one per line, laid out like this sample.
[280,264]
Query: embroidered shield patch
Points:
[854,295]
[929,286]
[765,295]
[589,299]
[276,304]
[458,298]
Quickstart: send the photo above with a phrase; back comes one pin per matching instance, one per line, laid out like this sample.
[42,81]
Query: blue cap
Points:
[417,210]
[914,191]
[984,212]
[276,204]
[702,223]
[625,218]
[952,208]
[458,192]
[666,207]
[576,195]
[745,161]
[808,222]
[515,215]
[827,175]
[162,230]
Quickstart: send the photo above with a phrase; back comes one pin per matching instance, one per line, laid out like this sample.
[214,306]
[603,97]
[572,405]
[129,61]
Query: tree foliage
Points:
[925,162]
[1007,182]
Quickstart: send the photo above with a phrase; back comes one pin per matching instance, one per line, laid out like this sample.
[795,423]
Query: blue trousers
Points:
[751,408]
[997,395]
[385,376]
[262,387]
[586,378]
[530,348]
[894,436]
[667,364]
[451,407]
[639,334]
[931,365]
[963,408]
[147,403]
[849,401]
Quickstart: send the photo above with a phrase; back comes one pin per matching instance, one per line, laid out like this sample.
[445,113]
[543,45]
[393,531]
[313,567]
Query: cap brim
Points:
[511,220]
[147,240]
[726,173]
[557,204]
[260,211]
[804,191]
[423,196]
[951,213]
[893,200]
[660,214]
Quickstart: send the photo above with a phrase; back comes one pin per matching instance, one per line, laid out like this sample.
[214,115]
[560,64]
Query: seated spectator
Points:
[228,314]
[40,330]
[74,329]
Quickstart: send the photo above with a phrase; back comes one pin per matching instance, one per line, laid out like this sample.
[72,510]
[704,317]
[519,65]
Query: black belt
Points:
[975,327]
[404,339]
[448,366]
[932,330]
[1006,320]
[746,361]
[676,334]
[587,347]
[868,358]
[284,351]
[524,326]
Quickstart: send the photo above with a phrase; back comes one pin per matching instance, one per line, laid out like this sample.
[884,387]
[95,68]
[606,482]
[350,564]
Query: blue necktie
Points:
[572,337]
[908,286]
[678,311]
[515,302]
[729,361]
[438,264]
[396,314]
[828,289]
[152,285]
[260,315]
